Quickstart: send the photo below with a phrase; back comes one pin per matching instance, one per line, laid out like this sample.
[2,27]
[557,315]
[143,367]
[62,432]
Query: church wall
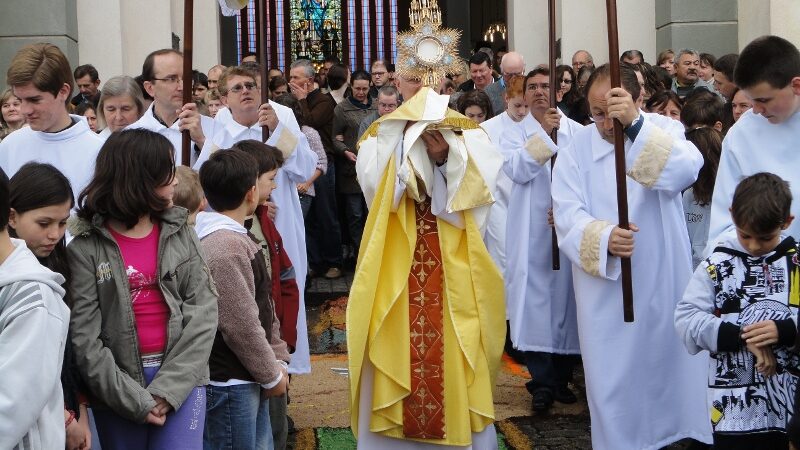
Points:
[704,25]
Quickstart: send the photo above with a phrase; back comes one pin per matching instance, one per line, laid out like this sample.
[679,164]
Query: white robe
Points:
[540,300]
[149,122]
[72,151]
[751,146]
[644,390]
[297,167]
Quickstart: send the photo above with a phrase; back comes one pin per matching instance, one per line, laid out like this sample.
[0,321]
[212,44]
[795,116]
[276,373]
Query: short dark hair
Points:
[83,107]
[629,54]
[199,78]
[708,59]
[337,76]
[5,208]
[227,177]
[276,82]
[332,60]
[86,69]
[726,64]
[539,70]
[661,98]
[360,75]
[702,107]
[475,97]
[627,77]
[148,67]
[761,203]
[769,58]
[267,157]
[479,58]
[131,165]
[289,100]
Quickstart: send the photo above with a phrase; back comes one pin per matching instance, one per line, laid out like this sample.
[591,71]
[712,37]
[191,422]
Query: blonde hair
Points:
[43,65]
[188,193]
[222,85]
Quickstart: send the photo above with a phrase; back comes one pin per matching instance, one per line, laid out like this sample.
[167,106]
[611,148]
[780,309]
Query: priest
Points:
[425,318]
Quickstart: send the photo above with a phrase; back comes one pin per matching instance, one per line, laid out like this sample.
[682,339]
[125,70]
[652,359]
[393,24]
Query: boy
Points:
[741,305]
[248,360]
[189,193]
[40,76]
[284,286]
[765,139]
[33,331]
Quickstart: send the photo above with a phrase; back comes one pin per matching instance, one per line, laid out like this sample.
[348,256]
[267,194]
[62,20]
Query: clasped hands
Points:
[759,338]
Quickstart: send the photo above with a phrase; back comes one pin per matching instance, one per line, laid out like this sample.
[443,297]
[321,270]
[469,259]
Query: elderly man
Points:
[581,58]
[687,76]
[213,75]
[512,64]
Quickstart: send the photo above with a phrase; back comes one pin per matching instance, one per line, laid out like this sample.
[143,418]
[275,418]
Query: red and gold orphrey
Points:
[423,409]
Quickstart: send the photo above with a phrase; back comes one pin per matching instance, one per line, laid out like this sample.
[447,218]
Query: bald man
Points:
[582,58]
[511,64]
[214,74]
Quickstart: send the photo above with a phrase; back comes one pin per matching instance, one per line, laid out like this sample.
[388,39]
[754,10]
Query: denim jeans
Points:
[237,417]
[356,212]
[323,233]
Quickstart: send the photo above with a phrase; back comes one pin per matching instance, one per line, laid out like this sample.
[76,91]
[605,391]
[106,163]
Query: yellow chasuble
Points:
[473,325]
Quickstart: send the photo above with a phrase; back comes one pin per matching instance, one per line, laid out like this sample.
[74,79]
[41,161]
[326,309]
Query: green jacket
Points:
[103,327]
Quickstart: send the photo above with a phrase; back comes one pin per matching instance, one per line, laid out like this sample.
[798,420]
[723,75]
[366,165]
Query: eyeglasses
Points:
[542,86]
[244,86]
[566,81]
[172,79]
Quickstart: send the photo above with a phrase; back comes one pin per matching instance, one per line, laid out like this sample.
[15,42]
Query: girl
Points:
[87,110]
[476,105]
[41,199]
[697,199]
[144,307]
[11,118]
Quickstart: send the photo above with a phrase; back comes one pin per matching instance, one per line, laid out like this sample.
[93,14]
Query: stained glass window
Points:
[316,27]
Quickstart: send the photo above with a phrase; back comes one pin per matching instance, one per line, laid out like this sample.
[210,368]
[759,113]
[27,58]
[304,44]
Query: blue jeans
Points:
[237,418]
[355,208]
[323,234]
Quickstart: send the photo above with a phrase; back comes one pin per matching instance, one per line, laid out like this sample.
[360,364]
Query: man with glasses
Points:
[162,73]
[687,73]
[511,64]
[581,58]
[380,76]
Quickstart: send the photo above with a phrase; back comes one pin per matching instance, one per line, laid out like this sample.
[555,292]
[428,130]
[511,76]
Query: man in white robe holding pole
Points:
[644,391]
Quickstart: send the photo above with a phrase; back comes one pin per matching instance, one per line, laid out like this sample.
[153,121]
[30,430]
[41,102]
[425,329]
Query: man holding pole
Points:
[644,391]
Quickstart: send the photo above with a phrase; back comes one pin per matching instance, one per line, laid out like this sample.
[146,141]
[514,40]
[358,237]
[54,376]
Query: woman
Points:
[121,104]
[666,59]
[666,103]
[565,77]
[476,105]
[41,198]
[11,118]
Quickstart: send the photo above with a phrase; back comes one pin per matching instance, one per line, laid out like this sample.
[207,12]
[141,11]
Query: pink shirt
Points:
[150,310]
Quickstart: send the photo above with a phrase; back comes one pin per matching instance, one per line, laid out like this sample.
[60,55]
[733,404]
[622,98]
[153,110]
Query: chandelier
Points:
[495,28]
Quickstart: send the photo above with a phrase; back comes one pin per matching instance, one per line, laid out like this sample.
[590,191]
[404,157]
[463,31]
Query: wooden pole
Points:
[551,7]
[619,159]
[261,49]
[188,31]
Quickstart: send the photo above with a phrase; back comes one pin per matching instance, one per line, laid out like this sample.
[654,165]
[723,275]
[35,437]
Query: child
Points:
[41,201]
[249,360]
[213,102]
[189,193]
[144,307]
[33,331]
[285,294]
[741,305]
[697,199]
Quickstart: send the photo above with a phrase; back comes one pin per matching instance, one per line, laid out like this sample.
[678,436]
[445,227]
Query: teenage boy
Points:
[765,139]
[39,75]
[285,293]
[248,360]
[33,331]
[741,305]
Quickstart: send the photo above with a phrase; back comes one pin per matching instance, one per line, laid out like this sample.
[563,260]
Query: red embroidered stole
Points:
[423,410]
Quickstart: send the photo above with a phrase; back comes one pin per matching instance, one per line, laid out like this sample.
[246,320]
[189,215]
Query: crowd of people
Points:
[164,299]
